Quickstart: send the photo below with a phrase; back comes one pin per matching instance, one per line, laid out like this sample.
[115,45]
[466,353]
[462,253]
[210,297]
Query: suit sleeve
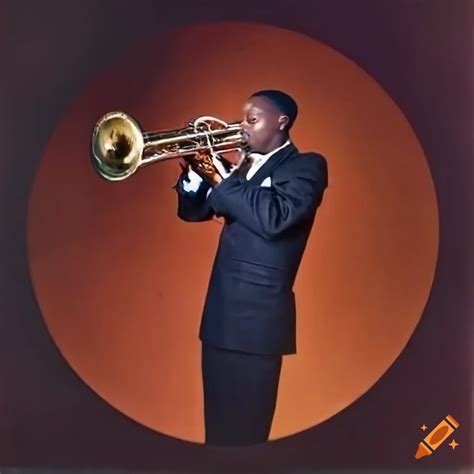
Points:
[295,194]
[193,206]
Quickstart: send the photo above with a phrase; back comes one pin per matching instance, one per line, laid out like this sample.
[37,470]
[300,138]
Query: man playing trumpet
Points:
[248,323]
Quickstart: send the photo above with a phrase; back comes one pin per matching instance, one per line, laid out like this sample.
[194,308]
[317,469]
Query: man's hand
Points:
[202,164]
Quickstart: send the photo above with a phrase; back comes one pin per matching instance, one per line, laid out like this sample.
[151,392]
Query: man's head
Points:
[268,118]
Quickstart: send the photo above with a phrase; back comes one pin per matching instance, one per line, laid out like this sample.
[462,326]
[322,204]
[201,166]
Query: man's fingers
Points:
[201,163]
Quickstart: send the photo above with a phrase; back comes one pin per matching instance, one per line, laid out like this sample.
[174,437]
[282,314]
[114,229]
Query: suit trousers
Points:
[240,393]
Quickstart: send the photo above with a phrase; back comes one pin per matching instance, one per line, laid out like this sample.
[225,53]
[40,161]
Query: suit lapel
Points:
[273,162]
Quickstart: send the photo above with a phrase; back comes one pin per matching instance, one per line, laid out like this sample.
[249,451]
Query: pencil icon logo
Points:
[436,437]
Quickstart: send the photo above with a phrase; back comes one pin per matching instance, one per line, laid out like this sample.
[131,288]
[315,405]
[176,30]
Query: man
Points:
[248,322]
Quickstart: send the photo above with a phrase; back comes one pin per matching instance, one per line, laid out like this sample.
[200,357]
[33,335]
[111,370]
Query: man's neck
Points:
[274,146]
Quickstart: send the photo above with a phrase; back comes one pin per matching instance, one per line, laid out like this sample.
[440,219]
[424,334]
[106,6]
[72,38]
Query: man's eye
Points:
[253,120]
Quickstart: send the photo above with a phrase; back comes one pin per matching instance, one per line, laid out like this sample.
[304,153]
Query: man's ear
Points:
[283,122]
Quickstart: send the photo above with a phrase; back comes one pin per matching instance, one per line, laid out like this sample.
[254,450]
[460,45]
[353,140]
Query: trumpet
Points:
[120,148]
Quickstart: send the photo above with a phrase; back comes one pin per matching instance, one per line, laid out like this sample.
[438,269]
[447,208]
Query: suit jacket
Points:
[250,303]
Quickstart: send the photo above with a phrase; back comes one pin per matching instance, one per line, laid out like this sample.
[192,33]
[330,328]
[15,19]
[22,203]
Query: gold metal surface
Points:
[119,147]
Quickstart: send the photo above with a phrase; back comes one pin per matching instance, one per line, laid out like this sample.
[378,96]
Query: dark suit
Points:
[250,304]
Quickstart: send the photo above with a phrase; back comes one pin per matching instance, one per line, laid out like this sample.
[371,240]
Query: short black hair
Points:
[284,102]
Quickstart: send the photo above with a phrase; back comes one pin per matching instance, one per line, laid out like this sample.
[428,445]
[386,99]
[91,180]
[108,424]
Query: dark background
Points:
[420,52]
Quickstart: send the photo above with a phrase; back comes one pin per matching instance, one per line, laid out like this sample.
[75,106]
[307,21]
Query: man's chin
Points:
[252,149]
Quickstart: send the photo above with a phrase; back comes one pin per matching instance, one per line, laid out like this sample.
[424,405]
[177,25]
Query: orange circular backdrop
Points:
[121,281]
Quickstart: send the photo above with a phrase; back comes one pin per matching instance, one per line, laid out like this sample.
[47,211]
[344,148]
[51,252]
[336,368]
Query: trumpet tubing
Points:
[119,147]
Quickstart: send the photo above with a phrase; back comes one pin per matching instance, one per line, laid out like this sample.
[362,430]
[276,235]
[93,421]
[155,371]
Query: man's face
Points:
[262,124]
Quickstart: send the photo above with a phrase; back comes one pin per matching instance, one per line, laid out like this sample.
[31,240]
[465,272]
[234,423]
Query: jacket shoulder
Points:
[307,160]
[317,158]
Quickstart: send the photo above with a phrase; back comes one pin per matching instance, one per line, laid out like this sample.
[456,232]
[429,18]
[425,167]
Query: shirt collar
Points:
[266,156]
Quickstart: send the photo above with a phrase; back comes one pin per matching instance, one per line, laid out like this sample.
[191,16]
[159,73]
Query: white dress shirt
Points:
[258,160]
